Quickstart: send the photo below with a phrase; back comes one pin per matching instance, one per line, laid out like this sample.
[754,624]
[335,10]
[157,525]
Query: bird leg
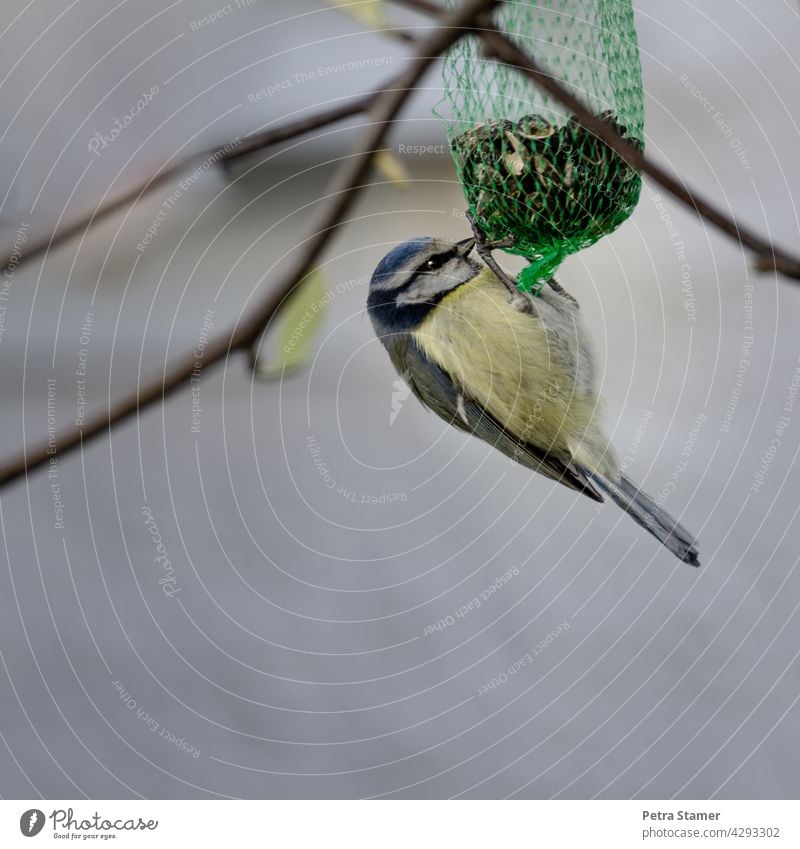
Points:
[557,287]
[519,300]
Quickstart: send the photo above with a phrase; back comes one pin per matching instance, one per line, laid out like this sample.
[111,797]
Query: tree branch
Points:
[498,45]
[347,185]
[769,256]
[471,16]
[257,141]
[251,144]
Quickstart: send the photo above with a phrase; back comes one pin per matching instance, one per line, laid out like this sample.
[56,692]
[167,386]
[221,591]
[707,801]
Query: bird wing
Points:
[434,388]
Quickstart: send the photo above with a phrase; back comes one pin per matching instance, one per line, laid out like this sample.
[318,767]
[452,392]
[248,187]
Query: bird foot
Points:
[522,302]
[557,287]
[519,300]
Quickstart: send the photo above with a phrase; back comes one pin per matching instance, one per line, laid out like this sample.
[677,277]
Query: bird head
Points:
[413,277]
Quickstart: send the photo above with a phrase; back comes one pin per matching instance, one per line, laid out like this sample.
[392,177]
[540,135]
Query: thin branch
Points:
[347,185]
[258,141]
[357,166]
[498,45]
[472,16]
[13,260]
[251,144]
[770,257]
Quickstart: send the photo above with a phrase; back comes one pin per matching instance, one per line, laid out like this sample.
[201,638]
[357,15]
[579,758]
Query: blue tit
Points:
[523,380]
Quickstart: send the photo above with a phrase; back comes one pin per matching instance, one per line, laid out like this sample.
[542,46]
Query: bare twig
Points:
[498,45]
[14,260]
[472,15]
[347,185]
[251,144]
[769,256]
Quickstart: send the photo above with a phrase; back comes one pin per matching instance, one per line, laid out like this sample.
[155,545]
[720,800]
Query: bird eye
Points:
[437,261]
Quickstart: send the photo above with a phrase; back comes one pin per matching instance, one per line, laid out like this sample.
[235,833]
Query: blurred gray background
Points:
[295,656]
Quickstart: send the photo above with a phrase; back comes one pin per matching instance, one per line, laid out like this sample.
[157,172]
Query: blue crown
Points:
[400,254]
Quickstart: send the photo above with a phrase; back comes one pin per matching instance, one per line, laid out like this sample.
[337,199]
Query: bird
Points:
[519,376]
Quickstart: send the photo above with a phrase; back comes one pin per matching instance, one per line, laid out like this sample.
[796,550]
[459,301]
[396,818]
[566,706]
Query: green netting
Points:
[529,169]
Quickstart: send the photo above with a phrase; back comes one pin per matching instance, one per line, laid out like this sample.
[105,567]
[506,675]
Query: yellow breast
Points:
[515,365]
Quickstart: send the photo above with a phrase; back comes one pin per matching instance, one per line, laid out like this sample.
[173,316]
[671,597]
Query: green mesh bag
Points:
[531,171]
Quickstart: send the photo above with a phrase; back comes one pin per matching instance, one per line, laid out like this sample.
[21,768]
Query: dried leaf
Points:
[290,336]
[368,13]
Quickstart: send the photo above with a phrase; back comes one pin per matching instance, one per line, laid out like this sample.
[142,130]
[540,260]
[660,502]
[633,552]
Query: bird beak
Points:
[465,246]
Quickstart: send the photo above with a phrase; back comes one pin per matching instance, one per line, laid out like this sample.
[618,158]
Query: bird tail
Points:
[646,513]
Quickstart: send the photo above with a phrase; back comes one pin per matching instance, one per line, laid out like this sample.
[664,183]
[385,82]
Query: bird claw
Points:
[518,299]
[557,287]
[521,302]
